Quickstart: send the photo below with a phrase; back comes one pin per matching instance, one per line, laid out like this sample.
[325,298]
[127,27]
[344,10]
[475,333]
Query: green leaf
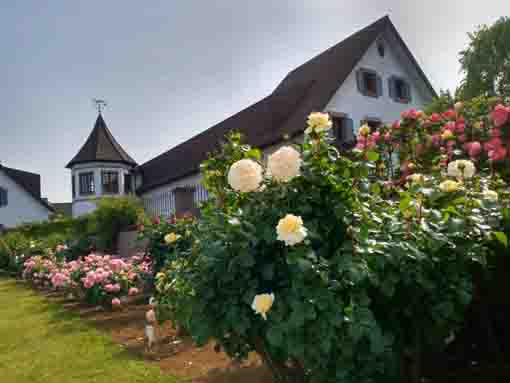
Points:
[501,237]
[275,336]
[372,156]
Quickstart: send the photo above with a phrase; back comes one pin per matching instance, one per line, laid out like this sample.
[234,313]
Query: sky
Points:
[171,69]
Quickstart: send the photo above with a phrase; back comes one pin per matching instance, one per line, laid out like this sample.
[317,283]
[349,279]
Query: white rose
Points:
[461,169]
[245,176]
[290,230]
[284,164]
[318,122]
[490,195]
[262,303]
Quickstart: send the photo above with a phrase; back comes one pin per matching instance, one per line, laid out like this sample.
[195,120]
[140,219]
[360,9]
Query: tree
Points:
[441,104]
[486,62]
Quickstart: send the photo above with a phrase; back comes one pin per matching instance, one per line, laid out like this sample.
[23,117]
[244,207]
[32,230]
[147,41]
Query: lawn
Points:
[40,342]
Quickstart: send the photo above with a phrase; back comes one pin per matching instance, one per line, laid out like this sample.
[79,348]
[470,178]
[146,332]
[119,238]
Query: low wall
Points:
[128,244]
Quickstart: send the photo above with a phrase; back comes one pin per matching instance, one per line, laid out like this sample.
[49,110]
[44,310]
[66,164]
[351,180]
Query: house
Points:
[100,168]
[370,77]
[20,198]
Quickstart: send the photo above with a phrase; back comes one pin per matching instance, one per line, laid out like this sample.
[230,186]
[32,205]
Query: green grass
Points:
[40,342]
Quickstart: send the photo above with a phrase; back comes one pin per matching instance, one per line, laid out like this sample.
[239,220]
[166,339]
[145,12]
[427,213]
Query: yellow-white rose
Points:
[171,238]
[447,134]
[490,195]
[284,164]
[365,130]
[318,122]
[461,169]
[458,106]
[291,230]
[262,303]
[245,176]
[449,186]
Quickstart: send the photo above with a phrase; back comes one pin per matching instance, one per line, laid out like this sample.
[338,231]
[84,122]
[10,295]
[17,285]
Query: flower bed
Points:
[96,279]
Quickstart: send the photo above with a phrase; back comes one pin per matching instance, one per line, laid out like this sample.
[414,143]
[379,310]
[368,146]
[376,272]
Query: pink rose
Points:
[116,302]
[500,115]
[133,291]
[435,117]
[474,149]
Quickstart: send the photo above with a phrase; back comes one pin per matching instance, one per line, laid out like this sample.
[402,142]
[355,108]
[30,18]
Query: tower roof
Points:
[101,146]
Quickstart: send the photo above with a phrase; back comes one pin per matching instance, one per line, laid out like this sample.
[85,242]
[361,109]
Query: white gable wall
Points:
[21,207]
[348,99]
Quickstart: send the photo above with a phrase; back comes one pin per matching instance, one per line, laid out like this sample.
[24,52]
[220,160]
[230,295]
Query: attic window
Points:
[400,90]
[3,197]
[381,48]
[369,83]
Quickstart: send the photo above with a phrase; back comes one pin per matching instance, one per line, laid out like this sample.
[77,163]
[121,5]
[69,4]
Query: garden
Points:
[378,264]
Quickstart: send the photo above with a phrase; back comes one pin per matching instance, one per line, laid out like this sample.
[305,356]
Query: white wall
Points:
[84,204]
[357,106]
[21,207]
[161,201]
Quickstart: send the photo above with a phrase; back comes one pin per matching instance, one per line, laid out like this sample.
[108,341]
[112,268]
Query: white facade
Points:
[86,203]
[349,100]
[161,201]
[22,207]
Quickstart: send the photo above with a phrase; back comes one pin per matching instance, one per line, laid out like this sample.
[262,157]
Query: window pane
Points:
[110,181]
[87,183]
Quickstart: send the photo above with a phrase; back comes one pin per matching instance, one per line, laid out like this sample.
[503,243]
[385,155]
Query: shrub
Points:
[342,271]
[111,216]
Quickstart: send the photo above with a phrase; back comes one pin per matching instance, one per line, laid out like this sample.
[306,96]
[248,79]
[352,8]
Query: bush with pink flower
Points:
[98,279]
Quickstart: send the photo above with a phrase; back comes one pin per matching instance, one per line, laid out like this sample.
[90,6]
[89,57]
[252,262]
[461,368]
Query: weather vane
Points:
[99,104]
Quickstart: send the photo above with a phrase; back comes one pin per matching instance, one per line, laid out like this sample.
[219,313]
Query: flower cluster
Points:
[99,279]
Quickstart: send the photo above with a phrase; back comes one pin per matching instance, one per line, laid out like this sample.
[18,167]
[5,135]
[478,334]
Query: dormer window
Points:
[400,89]
[3,197]
[369,83]
[110,182]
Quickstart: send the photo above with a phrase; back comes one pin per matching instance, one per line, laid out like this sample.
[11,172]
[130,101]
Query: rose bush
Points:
[336,269]
[96,279]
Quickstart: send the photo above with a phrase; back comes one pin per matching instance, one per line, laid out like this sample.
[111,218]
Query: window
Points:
[400,90]
[369,83]
[127,184]
[87,185]
[110,182]
[343,129]
[73,185]
[3,197]
[380,48]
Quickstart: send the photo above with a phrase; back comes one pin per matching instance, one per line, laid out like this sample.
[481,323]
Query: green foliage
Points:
[485,62]
[98,230]
[441,103]
[111,216]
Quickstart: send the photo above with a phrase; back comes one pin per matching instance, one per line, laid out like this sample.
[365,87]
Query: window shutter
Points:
[348,137]
[379,86]
[408,92]
[359,80]
[391,88]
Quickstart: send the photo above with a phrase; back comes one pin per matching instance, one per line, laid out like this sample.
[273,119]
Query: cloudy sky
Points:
[170,69]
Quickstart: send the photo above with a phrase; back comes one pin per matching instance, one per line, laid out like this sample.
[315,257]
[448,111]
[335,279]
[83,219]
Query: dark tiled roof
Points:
[30,182]
[305,89]
[101,146]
